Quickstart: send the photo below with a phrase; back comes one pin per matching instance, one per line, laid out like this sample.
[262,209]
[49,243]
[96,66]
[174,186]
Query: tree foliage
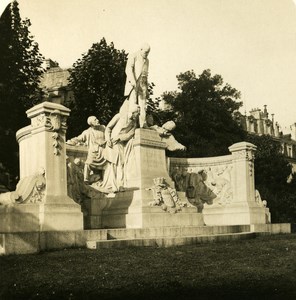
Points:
[272,171]
[97,80]
[202,110]
[271,166]
[20,70]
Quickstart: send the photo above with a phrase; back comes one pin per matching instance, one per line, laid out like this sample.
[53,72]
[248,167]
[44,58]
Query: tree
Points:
[21,68]
[202,110]
[20,71]
[272,171]
[98,81]
[271,166]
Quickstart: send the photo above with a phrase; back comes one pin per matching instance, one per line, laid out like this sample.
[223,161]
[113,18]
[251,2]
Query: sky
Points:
[250,43]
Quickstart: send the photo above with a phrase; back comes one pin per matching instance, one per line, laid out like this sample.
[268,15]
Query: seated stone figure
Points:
[94,139]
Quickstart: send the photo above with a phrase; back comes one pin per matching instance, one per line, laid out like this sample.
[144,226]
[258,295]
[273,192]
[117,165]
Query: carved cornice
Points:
[54,121]
[148,138]
[201,162]
[23,133]
[47,108]
[149,143]
[244,155]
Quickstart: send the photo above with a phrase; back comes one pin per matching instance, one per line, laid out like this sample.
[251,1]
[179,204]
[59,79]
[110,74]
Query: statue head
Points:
[169,125]
[145,49]
[93,121]
[77,161]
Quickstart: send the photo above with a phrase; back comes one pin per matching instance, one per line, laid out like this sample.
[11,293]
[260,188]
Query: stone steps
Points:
[172,231]
[168,241]
[178,235]
[34,242]
[168,236]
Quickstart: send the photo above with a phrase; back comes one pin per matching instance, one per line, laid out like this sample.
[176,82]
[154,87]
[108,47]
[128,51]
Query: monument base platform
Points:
[155,217]
[41,217]
[34,242]
[235,213]
[131,209]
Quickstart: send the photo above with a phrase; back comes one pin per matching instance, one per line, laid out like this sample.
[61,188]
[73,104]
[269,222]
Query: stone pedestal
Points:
[244,207]
[42,149]
[150,159]
[141,215]
[132,209]
[40,217]
[107,212]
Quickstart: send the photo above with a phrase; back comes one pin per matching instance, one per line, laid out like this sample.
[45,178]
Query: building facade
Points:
[258,122]
[55,83]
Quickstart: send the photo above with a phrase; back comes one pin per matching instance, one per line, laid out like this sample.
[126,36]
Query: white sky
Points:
[251,43]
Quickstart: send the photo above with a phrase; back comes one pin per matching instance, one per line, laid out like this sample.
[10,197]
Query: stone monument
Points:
[137,190]
[137,186]
[40,202]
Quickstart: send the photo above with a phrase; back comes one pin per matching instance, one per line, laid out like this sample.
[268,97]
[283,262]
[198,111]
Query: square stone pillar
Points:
[150,159]
[151,163]
[243,155]
[245,207]
[43,150]
[48,129]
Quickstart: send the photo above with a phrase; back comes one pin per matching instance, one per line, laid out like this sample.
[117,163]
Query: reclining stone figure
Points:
[166,136]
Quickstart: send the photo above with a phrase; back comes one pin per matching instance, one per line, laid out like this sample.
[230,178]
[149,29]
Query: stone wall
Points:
[231,179]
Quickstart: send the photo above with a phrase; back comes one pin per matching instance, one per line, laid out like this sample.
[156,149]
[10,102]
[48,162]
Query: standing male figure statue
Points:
[136,87]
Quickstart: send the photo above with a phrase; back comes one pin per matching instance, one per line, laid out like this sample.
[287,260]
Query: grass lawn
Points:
[261,268]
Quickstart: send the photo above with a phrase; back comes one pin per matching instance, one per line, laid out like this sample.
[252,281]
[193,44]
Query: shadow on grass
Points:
[172,291]
[263,268]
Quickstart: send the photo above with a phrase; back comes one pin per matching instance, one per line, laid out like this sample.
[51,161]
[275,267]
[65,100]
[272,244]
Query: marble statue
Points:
[136,87]
[166,136]
[258,199]
[119,150]
[94,139]
[197,191]
[30,189]
[75,183]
